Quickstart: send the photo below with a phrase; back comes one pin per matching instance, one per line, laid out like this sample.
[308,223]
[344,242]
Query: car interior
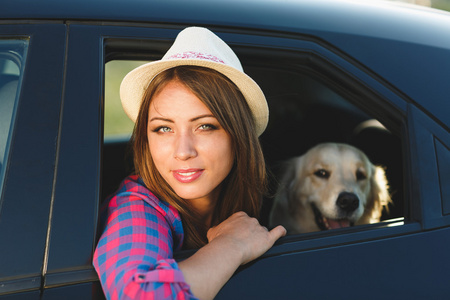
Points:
[305,112]
[308,105]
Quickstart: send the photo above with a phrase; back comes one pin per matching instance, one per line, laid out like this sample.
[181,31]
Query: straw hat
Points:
[198,47]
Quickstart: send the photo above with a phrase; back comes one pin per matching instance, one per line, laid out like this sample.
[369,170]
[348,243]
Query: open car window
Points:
[307,108]
[311,101]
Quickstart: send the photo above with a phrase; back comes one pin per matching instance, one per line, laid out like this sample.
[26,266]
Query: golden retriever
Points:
[330,186]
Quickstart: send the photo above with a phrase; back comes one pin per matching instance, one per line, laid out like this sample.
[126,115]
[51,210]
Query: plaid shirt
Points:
[134,257]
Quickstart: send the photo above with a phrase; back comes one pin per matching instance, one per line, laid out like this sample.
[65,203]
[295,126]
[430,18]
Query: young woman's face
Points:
[190,149]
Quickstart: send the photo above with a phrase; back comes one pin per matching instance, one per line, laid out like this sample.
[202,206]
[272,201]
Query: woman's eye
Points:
[162,129]
[207,127]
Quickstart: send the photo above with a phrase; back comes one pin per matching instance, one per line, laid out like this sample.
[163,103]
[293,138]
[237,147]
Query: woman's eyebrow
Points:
[191,120]
[202,116]
[161,119]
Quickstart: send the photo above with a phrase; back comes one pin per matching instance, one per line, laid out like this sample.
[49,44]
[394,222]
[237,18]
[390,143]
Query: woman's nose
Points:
[185,147]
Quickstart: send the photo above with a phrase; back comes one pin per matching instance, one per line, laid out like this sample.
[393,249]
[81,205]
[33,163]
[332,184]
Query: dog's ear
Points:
[289,180]
[295,173]
[380,197]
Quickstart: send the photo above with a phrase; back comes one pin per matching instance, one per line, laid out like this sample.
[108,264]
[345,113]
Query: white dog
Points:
[331,186]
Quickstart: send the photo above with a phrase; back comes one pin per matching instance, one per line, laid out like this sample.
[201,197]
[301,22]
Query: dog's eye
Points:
[360,175]
[321,173]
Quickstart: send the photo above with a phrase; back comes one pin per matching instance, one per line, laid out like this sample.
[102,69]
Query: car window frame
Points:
[240,42]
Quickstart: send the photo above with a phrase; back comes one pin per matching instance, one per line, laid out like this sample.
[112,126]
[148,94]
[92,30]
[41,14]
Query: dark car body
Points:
[325,67]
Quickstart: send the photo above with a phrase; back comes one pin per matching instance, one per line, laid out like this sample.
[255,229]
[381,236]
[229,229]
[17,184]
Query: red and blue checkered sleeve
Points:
[134,256]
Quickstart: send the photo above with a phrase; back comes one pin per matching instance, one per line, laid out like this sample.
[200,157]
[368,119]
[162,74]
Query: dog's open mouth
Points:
[326,223]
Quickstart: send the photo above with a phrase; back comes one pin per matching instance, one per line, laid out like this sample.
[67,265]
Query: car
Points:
[372,74]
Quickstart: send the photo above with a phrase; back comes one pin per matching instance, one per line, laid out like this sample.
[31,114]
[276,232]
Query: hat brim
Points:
[135,83]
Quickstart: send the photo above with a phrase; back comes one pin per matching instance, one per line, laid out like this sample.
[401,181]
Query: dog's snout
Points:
[347,201]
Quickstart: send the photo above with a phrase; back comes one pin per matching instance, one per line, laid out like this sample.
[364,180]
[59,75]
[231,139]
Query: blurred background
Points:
[439,4]
[117,124]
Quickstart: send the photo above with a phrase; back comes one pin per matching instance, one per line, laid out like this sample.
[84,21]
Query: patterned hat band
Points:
[196,55]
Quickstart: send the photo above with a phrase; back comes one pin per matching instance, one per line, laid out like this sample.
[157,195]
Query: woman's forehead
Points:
[175,100]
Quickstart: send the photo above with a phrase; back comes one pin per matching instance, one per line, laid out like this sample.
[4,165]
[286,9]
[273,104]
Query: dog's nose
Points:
[347,201]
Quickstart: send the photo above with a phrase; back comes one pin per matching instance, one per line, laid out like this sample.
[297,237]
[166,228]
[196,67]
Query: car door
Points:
[29,156]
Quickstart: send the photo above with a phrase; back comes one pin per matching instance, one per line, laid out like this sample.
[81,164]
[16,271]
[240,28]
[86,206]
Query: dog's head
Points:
[334,186]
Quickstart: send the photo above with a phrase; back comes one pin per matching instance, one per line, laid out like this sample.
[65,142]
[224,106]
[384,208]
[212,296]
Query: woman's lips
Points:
[188,175]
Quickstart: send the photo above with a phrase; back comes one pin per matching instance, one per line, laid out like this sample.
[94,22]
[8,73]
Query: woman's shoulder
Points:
[133,189]
[133,198]
[133,204]
[133,184]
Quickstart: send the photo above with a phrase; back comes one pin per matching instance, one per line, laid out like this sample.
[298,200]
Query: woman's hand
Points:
[236,241]
[246,236]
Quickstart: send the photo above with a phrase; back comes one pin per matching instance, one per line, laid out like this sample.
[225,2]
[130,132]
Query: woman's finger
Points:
[277,232]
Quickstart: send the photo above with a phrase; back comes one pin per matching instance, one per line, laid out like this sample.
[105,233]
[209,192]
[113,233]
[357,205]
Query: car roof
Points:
[402,35]
[285,15]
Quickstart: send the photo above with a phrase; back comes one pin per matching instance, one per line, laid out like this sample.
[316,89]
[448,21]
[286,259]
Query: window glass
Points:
[117,124]
[12,62]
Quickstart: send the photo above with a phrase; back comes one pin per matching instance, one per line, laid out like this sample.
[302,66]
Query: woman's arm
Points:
[236,241]
[134,257]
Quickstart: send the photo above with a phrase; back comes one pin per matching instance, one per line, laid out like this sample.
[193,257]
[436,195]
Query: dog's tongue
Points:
[333,224]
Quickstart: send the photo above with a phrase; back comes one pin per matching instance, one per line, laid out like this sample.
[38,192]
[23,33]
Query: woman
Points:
[199,180]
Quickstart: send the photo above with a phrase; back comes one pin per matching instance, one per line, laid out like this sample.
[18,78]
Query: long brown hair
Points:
[243,188]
